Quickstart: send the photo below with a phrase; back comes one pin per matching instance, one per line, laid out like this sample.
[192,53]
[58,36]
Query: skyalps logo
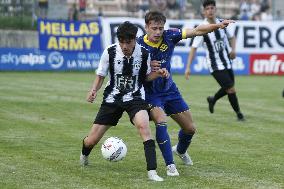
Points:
[25,59]
[55,60]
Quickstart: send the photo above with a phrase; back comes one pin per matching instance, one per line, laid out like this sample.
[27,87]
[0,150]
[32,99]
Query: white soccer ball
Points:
[114,149]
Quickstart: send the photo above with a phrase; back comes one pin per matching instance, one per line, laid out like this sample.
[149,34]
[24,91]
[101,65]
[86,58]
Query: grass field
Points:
[44,116]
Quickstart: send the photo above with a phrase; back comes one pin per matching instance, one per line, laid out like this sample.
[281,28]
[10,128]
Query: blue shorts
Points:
[171,103]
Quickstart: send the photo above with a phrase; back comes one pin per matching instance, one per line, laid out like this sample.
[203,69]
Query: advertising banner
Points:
[199,65]
[57,35]
[34,59]
[78,45]
[254,40]
[267,64]
[251,36]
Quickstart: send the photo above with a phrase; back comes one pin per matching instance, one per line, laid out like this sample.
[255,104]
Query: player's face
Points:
[210,11]
[127,46]
[154,31]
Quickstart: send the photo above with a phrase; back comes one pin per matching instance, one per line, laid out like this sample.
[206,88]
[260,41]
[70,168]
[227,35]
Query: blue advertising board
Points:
[34,59]
[28,59]
[199,65]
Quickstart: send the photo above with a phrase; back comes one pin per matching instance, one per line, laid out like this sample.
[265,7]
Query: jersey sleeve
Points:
[197,41]
[229,31]
[104,64]
[183,34]
[148,65]
[175,34]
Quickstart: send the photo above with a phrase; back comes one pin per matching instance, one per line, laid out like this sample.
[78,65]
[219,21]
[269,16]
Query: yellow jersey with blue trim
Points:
[162,51]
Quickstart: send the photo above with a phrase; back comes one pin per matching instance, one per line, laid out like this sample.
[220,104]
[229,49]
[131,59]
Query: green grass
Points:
[44,116]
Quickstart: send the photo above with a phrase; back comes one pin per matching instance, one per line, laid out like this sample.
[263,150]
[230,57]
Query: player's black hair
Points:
[155,16]
[209,2]
[126,31]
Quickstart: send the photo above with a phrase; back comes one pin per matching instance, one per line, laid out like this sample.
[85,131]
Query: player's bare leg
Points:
[94,136]
[141,121]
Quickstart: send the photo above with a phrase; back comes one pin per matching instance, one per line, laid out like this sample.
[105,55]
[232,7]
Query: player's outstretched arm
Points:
[189,62]
[97,84]
[163,72]
[232,42]
[207,28]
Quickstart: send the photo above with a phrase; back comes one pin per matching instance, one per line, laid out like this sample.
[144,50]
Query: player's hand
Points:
[232,55]
[155,65]
[187,73]
[91,96]
[225,23]
[163,72]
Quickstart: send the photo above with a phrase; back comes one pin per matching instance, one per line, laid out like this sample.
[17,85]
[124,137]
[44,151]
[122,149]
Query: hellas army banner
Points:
[55,35]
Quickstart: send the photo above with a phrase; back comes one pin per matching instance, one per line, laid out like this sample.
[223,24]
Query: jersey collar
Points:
[156,45]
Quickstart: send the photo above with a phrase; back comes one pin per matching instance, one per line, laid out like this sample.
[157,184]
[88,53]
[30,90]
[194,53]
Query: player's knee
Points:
[190,129]
[158,119]
[158,116]
[231,90]
[144,129]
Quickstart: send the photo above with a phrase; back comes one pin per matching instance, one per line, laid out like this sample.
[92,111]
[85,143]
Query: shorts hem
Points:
[105,123]
[178,113]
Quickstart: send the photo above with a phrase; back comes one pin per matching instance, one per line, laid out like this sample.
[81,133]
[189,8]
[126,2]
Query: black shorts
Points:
[110,113]
[225,78]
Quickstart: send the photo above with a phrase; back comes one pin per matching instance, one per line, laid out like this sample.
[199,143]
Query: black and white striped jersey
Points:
[218,48]
[126,75]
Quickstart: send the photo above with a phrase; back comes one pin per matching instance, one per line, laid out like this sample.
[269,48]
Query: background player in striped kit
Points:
[162,93]
[128,66]
[220,50]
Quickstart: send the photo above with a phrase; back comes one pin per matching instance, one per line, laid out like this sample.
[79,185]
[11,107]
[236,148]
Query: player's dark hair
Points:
[209,2]
[126,31]
[155,16]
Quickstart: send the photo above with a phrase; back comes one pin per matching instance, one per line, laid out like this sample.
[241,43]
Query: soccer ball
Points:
[114,149]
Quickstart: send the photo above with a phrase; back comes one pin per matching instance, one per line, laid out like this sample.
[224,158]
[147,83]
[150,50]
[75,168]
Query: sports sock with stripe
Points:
[164,142]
